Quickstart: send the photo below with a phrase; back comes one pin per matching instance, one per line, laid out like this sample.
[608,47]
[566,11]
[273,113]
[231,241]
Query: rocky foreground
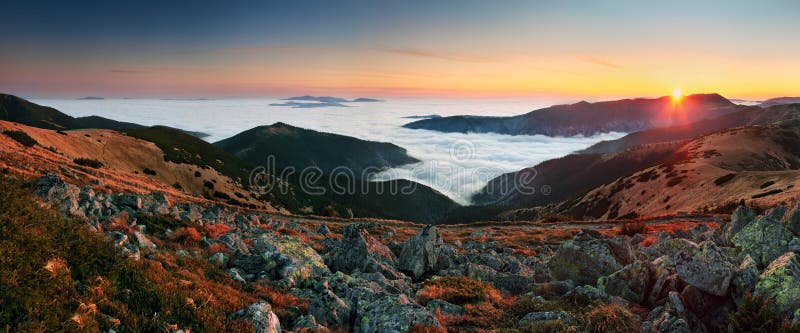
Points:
[357,276]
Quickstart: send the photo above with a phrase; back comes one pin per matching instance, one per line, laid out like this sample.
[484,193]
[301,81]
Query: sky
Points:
[466,48]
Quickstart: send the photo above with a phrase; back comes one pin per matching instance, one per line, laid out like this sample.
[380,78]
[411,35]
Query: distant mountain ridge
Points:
[584,118]
[329,99]
[21,111]
[779,101]
[748,116]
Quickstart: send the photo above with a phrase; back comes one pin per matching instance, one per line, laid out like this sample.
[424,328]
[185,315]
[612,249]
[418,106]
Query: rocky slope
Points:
[629,115]
[389,276]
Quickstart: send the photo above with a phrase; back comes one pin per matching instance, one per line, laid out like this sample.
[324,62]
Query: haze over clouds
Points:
[453,163]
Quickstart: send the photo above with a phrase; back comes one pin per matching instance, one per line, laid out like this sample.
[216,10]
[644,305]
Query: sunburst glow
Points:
[676,94]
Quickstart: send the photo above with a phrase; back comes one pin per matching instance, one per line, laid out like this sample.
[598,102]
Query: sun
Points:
[676,94]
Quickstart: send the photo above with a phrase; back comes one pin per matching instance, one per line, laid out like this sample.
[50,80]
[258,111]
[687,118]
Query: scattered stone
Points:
[765,239]
[781,281]
[630,283]
[709,269]
[585,258]
[420,253]
[535,317]
[261,316]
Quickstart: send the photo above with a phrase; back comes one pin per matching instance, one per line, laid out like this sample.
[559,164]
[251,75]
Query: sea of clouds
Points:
[456,164]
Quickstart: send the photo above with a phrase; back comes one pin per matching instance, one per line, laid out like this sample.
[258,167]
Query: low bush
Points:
[756,314]
[88,162]
[612,318]
[21,137]
[632,228]
[148,171]
[456,290]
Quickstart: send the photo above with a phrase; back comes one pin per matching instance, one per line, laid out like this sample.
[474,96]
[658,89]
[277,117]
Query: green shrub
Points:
[88,162]
[612,318]
[21,137]
[756,314]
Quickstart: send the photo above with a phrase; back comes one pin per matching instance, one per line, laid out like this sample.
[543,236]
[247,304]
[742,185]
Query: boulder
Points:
[631,282]
[289,259]
[393,314]
[708,269]
[791,219]
[781,281]
[330,310]
[446,308]
[420,252]
[218,259]
[358,250]
[534,317]
[308,324]
[671,317]
[261,316]
[711,310]
[745,278]
[587,257]
[765,239]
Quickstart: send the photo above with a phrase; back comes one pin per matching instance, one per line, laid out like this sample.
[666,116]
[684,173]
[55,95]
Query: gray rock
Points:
[308,324]
[218,259]
[672,317]
[765,240]
[535,317]
[420,253]
[358,250]
[791,220]
[289,259]
[261,316]
[446,308]
[393,314]
[745,279]
[330,310]
[781,281]
[631,282]
[143,241]
[709,269]
[587,257]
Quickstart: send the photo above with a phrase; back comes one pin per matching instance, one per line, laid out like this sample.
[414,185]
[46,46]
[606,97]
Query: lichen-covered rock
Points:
[289,258]
[218,259]
[671,317]
[711,310]
[534,317]
[446,308]
[420,252]
[791,220]
[781,281]
[358,250]
[764,240]
[745,278]
[330,310]
[308,324]
[631,282]
[261,316]
[709,269]
[393,314]
[585,258]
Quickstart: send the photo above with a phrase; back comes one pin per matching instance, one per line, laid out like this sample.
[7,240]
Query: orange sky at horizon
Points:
[565,50]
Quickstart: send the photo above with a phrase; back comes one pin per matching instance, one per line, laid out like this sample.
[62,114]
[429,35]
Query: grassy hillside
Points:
[59,275]
[749,116]
[180,147]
